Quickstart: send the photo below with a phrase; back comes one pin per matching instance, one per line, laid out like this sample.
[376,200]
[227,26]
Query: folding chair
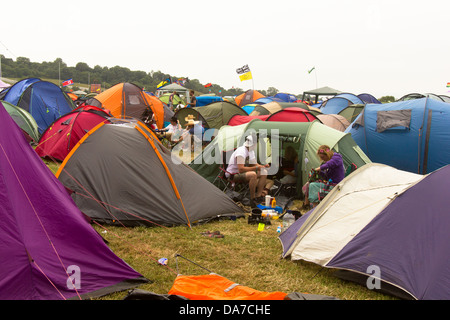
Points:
[225,178]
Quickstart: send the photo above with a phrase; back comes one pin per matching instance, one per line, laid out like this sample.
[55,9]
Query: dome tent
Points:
[44,100]
[63,134]
[381,216]
[151,188]
[127,100]
[43,233]
[24,120]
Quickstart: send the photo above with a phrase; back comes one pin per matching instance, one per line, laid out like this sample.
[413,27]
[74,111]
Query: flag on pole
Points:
[246,76]
[67,82]
[208,85]
[244,73]
[243,70]
[448,84]
[309,71]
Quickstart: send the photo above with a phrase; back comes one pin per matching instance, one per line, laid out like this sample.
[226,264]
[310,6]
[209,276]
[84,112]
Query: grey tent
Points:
[120,174]
[324,91]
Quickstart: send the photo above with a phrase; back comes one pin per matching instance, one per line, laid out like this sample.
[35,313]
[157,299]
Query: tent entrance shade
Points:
[120,174]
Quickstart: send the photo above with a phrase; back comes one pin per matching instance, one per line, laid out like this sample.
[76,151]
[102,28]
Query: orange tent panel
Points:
[127,100]
[248,97]
[215,287]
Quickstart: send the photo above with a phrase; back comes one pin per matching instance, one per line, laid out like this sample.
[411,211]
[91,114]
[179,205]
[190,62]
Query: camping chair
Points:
[227,183]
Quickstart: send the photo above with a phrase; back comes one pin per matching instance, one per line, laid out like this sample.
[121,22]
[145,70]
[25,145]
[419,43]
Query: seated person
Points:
[173,130]
[289,164]
[332,169]
[255,174]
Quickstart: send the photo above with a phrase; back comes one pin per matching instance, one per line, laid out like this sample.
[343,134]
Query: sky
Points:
[380,47]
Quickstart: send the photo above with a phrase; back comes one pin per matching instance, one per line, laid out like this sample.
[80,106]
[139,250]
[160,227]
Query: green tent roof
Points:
[23,119]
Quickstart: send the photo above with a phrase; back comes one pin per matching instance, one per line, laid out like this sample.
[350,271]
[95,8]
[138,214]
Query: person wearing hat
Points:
[253,173]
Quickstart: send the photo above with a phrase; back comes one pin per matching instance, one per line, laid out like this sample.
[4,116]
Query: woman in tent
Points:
[331,172]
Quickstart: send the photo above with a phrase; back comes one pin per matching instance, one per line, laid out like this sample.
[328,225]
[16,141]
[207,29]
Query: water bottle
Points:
[288,219]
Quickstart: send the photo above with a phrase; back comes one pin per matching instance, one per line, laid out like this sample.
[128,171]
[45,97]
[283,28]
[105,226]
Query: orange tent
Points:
[248,97]
[216,287]
[127,100]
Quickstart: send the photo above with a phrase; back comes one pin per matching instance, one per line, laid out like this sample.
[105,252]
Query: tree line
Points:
[22,67]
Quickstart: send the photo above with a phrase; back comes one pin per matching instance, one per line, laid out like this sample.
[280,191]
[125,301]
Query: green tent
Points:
[351,112]
[23,119]
[213,115]
[176,98]
[273,138]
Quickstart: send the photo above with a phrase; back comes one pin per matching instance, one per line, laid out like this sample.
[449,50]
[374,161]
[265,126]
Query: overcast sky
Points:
[380,47]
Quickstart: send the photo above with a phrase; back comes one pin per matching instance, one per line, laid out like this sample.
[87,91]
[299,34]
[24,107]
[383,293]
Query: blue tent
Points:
[339,102]
[286,97]
[44,100]
[267,100]
[204,100]
[409,135]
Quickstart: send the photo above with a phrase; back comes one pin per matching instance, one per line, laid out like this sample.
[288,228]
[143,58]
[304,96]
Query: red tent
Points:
[239,119]
[58,140]
[291,114]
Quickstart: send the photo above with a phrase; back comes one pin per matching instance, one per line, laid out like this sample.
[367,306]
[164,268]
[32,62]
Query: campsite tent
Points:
[286,97]
[24,120]
[44,100]
[339,102]
[351,112]
[248,97]
[334,121]
[378,223]
[291,114]
[127,100]
[120,174]
[272,107]
[212,116]
[368,98]
[45,240]
[324,91]
[274,137]
[63,134]
[207,99]
[409,135]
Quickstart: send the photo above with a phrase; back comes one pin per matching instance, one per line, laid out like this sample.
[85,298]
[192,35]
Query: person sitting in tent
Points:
[331,171]
[289,164]
[253,173]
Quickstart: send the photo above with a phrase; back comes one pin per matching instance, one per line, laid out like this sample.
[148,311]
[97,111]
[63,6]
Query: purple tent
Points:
[405,244]
[48,250]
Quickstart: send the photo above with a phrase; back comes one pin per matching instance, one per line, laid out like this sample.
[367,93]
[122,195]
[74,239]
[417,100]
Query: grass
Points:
[245,255]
